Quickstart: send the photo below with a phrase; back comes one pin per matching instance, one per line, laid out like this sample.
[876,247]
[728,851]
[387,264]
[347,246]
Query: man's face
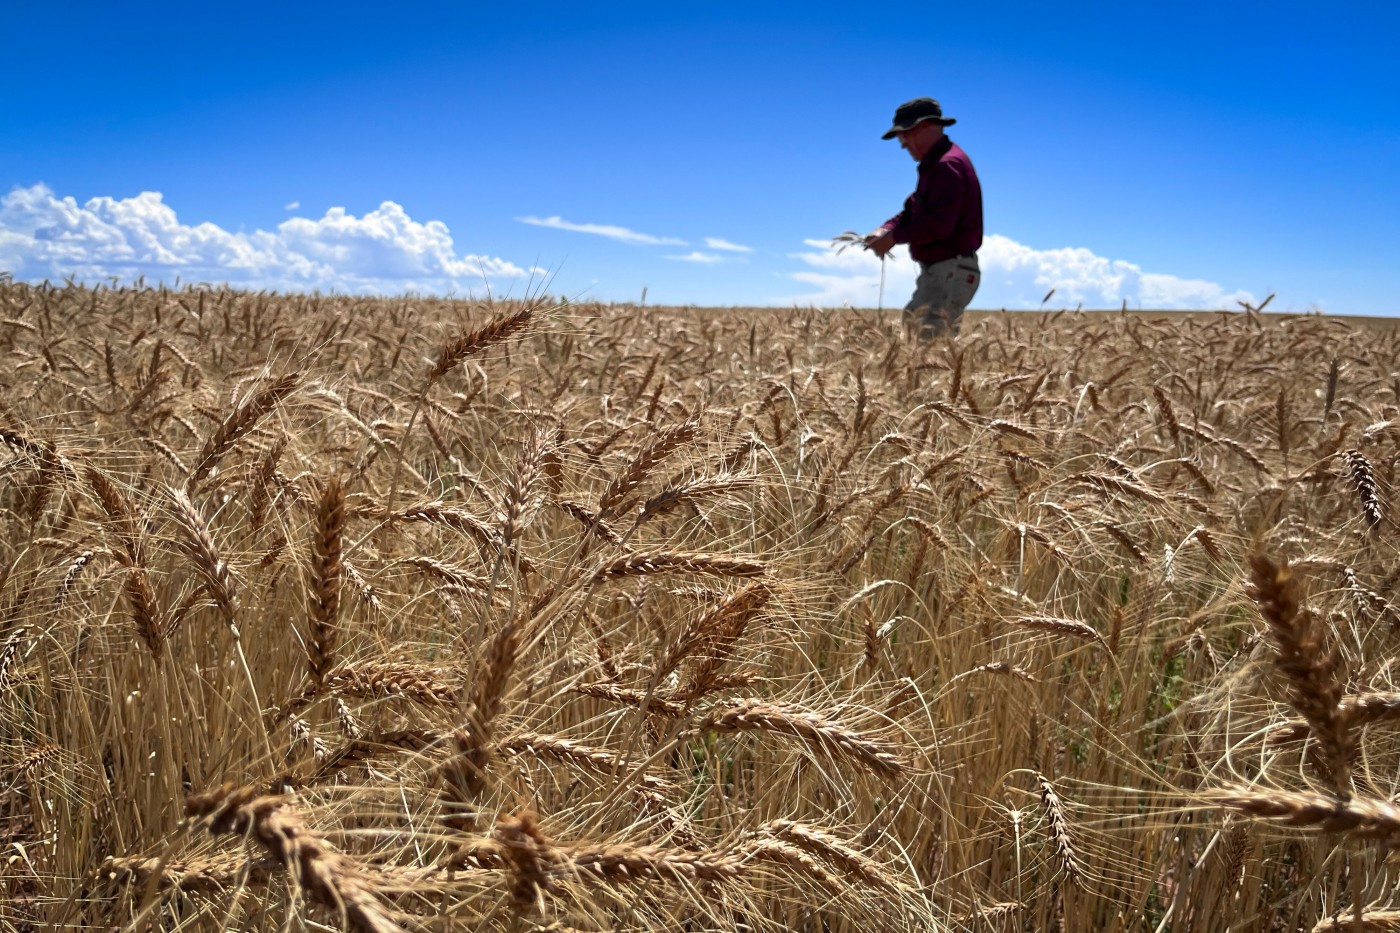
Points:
[919,139]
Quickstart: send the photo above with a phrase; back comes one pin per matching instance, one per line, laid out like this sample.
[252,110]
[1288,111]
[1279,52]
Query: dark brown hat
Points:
[917,111]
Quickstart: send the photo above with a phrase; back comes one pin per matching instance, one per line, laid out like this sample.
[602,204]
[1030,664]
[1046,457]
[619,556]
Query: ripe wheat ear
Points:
[328,876]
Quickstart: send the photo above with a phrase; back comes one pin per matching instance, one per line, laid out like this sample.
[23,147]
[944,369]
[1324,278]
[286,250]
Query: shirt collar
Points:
[939,149]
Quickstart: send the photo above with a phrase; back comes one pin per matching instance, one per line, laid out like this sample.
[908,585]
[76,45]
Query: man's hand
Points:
[880,242]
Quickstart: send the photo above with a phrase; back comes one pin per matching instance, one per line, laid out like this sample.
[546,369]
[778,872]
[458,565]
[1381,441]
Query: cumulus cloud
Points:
[292,206]
[1013,276]
[621,234]
[714,242]
[385,251]
[697,256]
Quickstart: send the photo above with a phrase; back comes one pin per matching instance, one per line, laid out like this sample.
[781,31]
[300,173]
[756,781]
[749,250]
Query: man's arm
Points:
[931,213]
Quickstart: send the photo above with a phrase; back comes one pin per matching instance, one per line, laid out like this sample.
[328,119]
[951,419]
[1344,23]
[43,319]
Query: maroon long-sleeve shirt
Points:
[943,217]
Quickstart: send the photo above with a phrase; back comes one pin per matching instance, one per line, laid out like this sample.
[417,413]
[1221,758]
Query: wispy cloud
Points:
[1013,276]
[714,242]
[43,236]
[291,207]
[697,256]
[621,234]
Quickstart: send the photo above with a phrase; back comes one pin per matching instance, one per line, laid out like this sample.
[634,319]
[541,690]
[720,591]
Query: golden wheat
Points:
[766,614]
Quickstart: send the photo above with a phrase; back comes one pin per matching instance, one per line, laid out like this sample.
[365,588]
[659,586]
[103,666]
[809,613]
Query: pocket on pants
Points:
[965,283]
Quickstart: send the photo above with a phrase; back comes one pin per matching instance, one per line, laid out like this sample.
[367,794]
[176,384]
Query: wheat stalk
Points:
[379,679]
[469,343]
[623,864]
[366,590]
[238,423]
[453,576]
[1202,536]
[451,355]
[994,914]
[720,632]
[75,570]
[627,696]
[1112,483]
[145,611]
[641,466]
[1057,626]
[1124,539]
[1237,843]
[819,733]
[125,523]
[465,772]
[198,543]
[1357,818]
[9,653]
[693,491]
[324,600]
[35,758]
[521,500]
[211,876]
[1059,831]
[598,761]
[708,563]
[328,876]
[361,750]
[1354,711]
[716,628]
[438,513]
[1371,921]
[1316,683]
[528,855]
[1012,429]
[858,868]
[591,522]
[798,860]
[1363,480]
[1002,668]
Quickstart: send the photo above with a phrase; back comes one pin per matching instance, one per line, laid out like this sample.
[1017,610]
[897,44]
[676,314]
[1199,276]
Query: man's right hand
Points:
[880,241]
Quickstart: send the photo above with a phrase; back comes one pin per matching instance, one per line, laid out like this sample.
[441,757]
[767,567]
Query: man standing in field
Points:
[941,220]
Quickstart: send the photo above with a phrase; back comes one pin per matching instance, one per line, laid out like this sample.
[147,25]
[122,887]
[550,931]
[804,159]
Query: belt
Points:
[950,259]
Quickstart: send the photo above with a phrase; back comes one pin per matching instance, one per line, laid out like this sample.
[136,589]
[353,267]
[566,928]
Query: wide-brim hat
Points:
[916,111]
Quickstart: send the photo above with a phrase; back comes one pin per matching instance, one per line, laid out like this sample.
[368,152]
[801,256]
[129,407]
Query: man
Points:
[941,220]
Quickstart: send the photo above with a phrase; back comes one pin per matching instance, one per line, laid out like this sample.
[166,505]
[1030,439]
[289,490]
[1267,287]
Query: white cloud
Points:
[697,256]
[1013,276]
[714,242]
[621,234]
[385,251]
[291,207]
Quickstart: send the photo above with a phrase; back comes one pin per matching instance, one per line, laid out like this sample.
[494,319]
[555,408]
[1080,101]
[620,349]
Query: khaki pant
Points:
[943,290]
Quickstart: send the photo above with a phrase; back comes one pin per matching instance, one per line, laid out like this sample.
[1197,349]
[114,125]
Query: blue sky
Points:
[1183,153]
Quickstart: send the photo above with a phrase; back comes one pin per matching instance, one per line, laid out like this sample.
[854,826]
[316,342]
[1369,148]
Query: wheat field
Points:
[418,614]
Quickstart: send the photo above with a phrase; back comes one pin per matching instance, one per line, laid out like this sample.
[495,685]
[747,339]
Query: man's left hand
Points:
[880,242]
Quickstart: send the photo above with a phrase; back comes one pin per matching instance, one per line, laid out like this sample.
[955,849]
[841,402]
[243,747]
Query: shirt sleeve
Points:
[931,213]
